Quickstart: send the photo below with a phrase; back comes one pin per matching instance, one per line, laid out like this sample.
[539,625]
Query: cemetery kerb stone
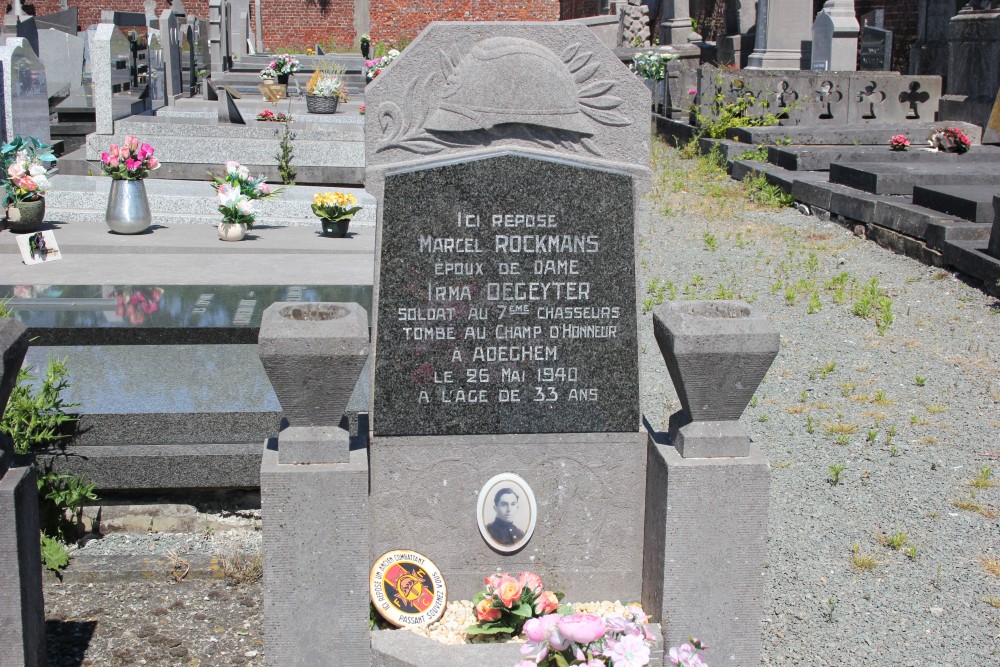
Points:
[25,97]
[502,347]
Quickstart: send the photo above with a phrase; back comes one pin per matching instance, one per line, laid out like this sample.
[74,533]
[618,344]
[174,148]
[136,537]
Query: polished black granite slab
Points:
[158,314]
[506,300]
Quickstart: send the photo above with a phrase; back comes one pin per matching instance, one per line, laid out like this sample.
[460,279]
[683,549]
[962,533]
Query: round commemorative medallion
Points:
[506,512]
[407,589]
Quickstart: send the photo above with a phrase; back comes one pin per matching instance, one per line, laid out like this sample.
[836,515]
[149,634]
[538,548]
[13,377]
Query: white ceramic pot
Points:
[232,231]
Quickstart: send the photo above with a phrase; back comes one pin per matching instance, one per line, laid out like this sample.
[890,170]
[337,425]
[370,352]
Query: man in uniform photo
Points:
[502,529]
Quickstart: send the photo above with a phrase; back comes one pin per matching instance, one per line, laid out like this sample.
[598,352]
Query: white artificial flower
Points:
[229,194]
[393,53]
[245,206]
[232,166]
[36,170]
[243,173]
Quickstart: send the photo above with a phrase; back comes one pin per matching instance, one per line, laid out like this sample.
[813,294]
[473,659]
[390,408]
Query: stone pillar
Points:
[676,26]
[784,35]
[314,488]
[706,471]
[835,37]
[258,18]
[239,27]
[22,609]
[217,38]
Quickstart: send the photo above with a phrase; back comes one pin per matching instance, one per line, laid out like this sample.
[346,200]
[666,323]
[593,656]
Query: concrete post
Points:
[22,608]
[676,26]
[784,35]
[314,489]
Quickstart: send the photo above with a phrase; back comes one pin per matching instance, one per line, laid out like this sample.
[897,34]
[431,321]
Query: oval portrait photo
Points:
[506,512]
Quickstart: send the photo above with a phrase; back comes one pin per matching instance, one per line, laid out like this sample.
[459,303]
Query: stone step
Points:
[847,135]
[970,202]
[900,178]
[84,199]
[819,158]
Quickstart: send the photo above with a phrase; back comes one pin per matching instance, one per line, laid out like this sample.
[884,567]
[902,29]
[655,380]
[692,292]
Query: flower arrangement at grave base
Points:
[280,68]
[950,140]
[651,65]
[508,603]
[269,116]
[335,210]
[375,66]
[324,92]
[236,191]
[560,640]
[361,110]
[27,164]
[128,209]
[899,142]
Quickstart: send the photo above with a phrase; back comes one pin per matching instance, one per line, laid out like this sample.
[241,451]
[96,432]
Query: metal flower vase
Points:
[128,207]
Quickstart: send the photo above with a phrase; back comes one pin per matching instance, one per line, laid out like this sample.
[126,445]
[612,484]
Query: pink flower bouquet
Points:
[132,161]
[237,190]
[26,165]
[508,602]
[950,140]
[555,640]
[899,142]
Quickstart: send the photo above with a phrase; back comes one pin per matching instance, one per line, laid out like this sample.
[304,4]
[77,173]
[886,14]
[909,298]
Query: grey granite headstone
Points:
[156,90]
[109,55]
[25,96]
[27,29]
[835,37]
[239,27]
[62,55]
[124,19]
[170,34]
[218,39]
[784,33]
[509,303]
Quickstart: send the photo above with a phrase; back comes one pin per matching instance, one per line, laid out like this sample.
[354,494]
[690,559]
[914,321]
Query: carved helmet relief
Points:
[504,87]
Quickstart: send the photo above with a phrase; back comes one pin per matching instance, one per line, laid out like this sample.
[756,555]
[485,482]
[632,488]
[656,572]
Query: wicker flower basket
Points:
[317,104]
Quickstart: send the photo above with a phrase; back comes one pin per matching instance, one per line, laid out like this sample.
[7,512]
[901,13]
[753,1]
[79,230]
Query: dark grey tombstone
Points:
[319,50]
[171,44]
[508,306]
[211,93]
[875,19]
[28,30]
[66,21]
[124,19]
[875,50]
[228,111]
[22,608]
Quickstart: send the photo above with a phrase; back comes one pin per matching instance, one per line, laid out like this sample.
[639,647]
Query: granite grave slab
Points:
[969,202]
[158,315]
[900,179]
[819,158]
[853,134]
[509,304]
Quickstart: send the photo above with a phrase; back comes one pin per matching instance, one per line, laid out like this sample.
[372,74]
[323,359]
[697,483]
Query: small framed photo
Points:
[38,247]
[506,512]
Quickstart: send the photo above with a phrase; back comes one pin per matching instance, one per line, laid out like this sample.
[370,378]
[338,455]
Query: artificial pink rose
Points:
[546,603]
[153,163]
[509,591]
[105,157]
[581,628]
[484,612]
[131,164]
[145,151]
[531,581]
[113,150]
[538,629]
[113,160]
[15,170]
[263,188]
[493,580]
[131,143]
[26,183]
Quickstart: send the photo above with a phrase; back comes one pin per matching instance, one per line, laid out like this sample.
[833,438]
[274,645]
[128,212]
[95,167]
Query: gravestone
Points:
[171,35]
[835,37]
[65,21]
[875,50]
[218,37]
[25,95]
[740,21]
[62,55]
[109,56]
[228,111]
[676,26]
[27,30]
[155,88]
[784,35]
[239,27]
[510,326]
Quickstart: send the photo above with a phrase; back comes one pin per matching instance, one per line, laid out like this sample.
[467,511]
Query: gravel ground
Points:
[911,416]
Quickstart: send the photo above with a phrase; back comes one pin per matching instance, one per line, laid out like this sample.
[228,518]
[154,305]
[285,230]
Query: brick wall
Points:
[393,20]
[297,23]
[578,9]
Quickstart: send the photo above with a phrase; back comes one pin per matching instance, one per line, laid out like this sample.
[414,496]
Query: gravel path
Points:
[908,418]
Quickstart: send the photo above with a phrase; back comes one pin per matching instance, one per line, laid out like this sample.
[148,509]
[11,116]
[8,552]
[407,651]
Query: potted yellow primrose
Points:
[335,210]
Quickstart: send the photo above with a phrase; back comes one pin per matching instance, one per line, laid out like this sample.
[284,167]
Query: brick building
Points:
[306,22]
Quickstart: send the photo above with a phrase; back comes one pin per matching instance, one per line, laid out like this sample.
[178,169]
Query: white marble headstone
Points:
[25,97]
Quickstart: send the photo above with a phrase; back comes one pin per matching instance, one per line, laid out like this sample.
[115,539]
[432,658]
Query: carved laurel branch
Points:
[409,134]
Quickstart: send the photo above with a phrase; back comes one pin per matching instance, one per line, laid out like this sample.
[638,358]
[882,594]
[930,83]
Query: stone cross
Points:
[835,37]
[783,26]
